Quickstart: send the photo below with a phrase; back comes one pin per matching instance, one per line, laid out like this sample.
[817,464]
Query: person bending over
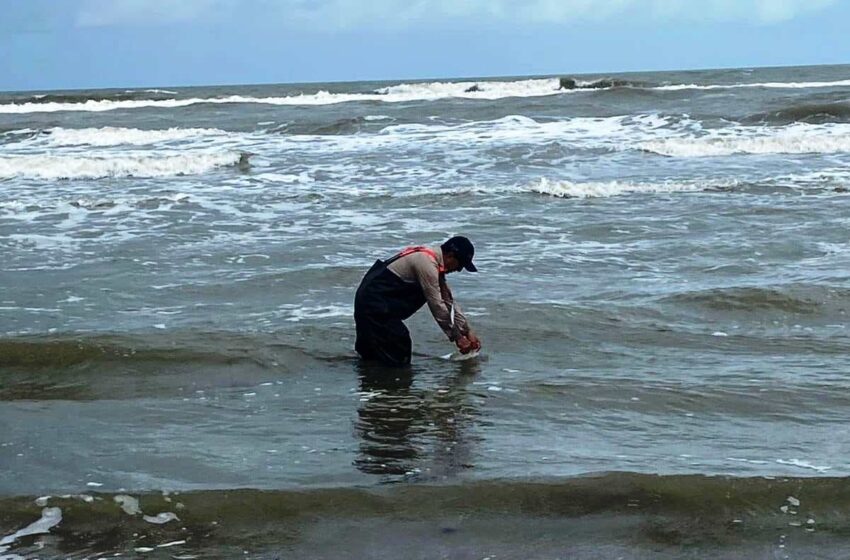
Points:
[393,290]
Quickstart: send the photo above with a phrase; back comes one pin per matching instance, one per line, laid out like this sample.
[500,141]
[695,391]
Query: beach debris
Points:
[129,504]
[170,544]
[161,518]
[50,517]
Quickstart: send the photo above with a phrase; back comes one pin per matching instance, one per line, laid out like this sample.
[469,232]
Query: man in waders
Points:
[395,289]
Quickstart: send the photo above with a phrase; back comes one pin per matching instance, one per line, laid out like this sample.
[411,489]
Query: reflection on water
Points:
[415,422]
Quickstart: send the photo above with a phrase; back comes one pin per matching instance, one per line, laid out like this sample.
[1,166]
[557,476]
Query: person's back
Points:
[393,290]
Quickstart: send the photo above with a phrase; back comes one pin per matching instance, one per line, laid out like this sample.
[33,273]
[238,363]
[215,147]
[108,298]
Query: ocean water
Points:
[662,299]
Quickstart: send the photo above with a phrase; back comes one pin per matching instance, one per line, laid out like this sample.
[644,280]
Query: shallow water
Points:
[663,290]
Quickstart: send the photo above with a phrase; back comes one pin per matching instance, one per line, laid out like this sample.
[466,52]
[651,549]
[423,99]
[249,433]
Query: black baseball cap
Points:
[463,250]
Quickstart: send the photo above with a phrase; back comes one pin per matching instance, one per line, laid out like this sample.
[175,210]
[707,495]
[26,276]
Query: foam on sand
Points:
[50,517]
[129,504]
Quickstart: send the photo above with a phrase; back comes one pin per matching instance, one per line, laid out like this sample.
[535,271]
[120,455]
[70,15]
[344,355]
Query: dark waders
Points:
[382,303]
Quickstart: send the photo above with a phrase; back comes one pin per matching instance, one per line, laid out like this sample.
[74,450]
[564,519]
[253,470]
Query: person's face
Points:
[451,262]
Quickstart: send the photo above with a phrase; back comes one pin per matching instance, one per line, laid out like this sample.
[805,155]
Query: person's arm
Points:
[461,323]
[466,339]
[427,275]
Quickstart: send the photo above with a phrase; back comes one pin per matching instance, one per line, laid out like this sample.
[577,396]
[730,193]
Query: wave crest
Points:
[602,83]
[392,94]
[597,189]
[799,139]
[814,113]
[749,299]
[715,500]
[82,97]
[404,92]
[116,136]
[766,85]
[101,166]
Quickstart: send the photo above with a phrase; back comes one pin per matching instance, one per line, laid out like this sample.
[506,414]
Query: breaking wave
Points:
[100,166]
[82,97]
[603,83]
[766,85]
[392,94]
[424,91]
[800,138]
[116,136]
[470,90]
[570,189]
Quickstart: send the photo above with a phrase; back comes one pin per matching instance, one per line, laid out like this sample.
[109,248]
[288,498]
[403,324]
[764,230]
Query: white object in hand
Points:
[457,356]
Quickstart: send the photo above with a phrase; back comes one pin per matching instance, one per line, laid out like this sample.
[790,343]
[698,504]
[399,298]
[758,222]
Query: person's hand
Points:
[474,340]
[464,345]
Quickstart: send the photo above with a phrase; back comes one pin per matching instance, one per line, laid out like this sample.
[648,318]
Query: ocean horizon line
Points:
[456,78]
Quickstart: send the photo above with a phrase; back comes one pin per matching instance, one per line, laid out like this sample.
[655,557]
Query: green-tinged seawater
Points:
[663,296]
[617,515]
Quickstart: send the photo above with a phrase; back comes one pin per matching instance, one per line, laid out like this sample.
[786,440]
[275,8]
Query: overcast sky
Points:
[65,44]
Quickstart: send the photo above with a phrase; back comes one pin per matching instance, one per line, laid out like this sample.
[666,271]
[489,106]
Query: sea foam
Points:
[50,517]
[767,85]
[799,138]
[115,136]
[593,189]
[404,92]
[392,94]
[124,165]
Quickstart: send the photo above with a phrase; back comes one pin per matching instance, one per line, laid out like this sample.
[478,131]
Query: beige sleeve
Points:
[461,324]
[428,276]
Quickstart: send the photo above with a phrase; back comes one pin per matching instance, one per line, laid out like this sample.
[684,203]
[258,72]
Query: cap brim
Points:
[470,267]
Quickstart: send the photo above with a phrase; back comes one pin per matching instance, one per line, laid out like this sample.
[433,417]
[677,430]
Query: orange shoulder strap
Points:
[421,249]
